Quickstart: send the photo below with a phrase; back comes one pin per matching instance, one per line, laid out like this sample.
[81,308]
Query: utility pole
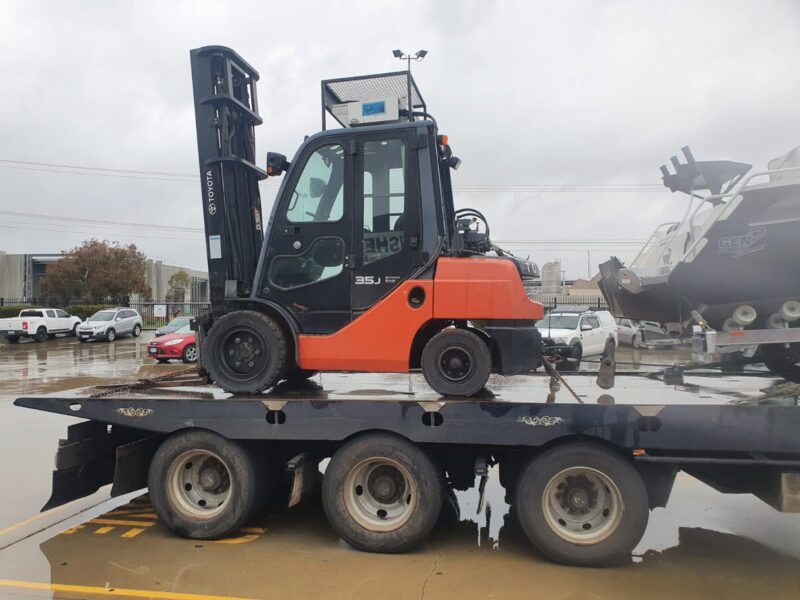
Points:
[418,56]
[589,265]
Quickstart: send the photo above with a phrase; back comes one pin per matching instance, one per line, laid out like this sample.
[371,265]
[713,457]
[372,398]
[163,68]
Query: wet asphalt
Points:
[704,544]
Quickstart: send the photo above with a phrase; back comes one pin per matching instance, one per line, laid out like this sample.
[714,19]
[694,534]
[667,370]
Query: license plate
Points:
[153,350]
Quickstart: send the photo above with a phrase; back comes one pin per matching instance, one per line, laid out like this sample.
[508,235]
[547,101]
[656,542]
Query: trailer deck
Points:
[735,433]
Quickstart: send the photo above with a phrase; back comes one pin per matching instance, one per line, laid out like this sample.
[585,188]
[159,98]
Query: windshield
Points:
[559,322]
[184,329]
[179,322]
[102,316]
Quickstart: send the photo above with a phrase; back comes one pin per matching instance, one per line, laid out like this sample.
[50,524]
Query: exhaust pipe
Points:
[744,315]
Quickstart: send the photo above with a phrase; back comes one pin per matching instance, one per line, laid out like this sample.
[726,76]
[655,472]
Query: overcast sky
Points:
[530,93]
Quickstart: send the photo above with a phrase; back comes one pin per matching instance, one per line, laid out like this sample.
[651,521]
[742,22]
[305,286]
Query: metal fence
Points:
[554,302]
[157,314]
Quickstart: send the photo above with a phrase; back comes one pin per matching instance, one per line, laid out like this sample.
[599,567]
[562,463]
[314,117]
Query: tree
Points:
[97,271]
[178,286]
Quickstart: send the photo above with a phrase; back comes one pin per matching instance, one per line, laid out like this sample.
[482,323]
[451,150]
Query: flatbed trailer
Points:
[583,470]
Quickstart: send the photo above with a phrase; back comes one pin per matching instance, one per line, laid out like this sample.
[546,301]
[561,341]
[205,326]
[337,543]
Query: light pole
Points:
[418,56]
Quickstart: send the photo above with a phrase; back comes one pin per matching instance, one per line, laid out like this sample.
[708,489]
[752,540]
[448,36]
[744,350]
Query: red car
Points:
[181,344]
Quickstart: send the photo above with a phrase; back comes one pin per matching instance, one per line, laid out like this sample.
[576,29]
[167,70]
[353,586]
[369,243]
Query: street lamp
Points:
[418,56]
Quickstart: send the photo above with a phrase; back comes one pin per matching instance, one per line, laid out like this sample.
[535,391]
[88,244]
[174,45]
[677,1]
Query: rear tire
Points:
[13,339]
[204,486]
[74,330]
[189,355]
[245,352]
[581,504]
[456,362]
[381,493]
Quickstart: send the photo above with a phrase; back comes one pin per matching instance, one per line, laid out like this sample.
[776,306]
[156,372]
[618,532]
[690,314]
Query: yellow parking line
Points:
[104,530]
[90,589]
[253,529]
[242,539]
[121,522]
[131,533]
[75,529]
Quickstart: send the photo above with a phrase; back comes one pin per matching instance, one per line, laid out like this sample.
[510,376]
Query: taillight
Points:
[25,325]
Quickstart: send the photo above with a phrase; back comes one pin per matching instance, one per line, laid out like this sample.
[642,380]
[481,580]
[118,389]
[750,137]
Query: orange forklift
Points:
[364,264]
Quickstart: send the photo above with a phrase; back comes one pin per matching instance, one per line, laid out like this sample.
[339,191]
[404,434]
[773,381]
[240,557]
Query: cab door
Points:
[308,261]
[387,228]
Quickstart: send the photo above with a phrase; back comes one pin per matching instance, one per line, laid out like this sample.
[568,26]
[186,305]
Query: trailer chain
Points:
[144,383]
[556,381]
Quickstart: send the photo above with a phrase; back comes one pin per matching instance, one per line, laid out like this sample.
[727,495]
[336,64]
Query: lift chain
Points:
[556,380]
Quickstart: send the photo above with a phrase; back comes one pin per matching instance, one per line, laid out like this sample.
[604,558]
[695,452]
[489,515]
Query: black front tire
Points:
[456,362]
[245,482]
[575,353]
[189,355]
[41,334]
[417,495]
[245,352]
[606,475]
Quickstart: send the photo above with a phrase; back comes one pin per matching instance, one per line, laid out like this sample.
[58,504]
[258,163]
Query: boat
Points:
[734,257]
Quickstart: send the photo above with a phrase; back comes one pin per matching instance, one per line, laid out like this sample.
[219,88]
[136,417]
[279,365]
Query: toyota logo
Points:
[212,208]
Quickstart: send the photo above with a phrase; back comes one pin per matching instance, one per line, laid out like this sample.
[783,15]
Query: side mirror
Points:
[316,187]
[118,319]
[586,327]
[276,164]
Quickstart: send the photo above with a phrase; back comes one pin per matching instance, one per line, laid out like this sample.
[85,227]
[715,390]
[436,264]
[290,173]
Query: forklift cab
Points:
[352,219]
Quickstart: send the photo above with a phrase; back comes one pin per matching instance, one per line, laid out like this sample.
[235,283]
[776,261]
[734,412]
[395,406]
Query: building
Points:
[21,275]
[586,288]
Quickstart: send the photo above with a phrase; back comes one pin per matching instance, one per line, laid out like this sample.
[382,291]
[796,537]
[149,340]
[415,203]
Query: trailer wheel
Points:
[245,352]
[456,362]
[381,493]
[204,486]
[580,504]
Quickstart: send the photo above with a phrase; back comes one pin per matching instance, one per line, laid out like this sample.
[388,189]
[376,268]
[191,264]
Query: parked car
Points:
[577,334]
[110,323]
[638,333]
[38,323]
[181,344]
[173,326]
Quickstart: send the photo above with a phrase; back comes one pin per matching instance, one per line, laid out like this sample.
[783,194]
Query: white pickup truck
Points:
[38,323]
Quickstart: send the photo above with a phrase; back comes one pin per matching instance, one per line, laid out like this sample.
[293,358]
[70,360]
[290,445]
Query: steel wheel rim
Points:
[199,484]
[244,352]
[191,353]
[380,494]
[456,363]
[582,505]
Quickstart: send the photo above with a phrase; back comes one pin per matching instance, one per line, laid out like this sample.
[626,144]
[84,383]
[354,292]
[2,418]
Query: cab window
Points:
[384,198]
[318,195]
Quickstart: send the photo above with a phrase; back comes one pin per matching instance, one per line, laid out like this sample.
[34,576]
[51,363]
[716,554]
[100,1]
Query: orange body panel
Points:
[481,288]
[378,341]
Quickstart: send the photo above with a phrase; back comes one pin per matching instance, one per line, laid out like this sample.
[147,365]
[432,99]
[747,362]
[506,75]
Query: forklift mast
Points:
[226,113]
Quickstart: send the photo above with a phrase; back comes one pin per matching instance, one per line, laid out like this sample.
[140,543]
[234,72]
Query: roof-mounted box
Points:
[369,99]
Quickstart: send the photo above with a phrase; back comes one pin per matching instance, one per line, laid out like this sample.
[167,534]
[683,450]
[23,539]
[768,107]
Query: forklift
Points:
[365,265]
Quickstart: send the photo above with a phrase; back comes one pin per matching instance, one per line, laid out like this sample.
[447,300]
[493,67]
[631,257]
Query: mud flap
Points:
[95,454]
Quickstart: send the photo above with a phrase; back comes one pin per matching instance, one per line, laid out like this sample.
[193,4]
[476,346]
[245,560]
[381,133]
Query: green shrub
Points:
[7,312]
[85,310]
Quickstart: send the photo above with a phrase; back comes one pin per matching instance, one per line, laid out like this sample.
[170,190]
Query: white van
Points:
[575,334]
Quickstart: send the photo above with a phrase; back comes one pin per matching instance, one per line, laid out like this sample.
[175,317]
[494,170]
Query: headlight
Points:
[559,340]
[172,342]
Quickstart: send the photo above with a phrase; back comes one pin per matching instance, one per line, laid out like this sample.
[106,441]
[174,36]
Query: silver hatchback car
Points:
[110,323]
